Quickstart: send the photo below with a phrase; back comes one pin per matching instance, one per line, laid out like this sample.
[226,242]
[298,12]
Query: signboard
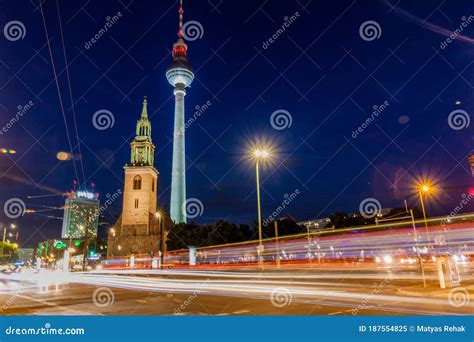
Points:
[26,254]
[192,255]
[85,194]
[453,272]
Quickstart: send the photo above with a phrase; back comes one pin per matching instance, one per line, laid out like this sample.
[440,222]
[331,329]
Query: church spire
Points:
[145,109]
[142,148]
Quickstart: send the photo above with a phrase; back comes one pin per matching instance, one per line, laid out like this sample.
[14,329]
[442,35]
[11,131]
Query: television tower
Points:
[180,75]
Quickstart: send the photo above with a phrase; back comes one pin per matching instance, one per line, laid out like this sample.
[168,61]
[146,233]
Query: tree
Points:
[343,220]
[286,226]
[10,251]
[183,235]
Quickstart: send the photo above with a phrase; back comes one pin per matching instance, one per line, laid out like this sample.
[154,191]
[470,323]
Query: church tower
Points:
[138,231]
[139,197]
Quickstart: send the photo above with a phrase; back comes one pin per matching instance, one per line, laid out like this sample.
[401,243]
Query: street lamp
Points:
[159,216]
[423,190]
[112,231]
[85,250]
[12,226]
[259,155]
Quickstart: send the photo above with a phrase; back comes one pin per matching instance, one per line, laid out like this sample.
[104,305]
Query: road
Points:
[238,292]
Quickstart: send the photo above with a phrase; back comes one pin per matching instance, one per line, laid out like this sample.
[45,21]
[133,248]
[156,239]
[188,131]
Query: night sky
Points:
[320,70]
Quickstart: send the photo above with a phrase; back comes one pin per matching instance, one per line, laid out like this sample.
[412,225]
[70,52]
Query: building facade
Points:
[137,230]
[81,215]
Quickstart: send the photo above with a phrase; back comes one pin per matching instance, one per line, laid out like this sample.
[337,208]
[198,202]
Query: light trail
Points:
[332,271]
[400,248]
[345,294]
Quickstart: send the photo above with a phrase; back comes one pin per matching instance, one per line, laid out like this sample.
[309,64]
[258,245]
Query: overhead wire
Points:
[70,95]
[58,87]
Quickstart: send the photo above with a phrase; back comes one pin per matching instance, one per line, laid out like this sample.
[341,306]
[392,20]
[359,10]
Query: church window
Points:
[137,183]
[153,185]
[136,203]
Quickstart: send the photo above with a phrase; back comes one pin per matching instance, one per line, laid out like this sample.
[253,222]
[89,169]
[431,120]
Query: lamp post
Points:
[85,249]
[12,226]
[259,155]
[112,231]
[159,216]
[277,244]
[424,189]
[415,236]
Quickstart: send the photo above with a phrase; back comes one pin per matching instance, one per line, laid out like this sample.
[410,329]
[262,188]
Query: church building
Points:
[137,231]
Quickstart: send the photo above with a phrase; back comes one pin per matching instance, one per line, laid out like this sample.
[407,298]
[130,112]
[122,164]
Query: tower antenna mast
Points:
[180,11]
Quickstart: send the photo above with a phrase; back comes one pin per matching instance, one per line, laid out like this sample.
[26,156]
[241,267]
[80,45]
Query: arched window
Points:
[137,183]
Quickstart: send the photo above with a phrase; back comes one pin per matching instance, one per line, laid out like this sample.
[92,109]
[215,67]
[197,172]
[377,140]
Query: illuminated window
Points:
[136,203]
[137,183]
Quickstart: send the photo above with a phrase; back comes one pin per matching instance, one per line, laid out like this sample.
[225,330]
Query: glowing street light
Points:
[7,151]
[261,154]
[424,190]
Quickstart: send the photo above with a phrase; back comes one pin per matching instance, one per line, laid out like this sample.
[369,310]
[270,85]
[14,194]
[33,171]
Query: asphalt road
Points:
[287,292]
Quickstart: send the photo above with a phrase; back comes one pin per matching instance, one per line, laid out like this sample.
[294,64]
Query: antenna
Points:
[180,11]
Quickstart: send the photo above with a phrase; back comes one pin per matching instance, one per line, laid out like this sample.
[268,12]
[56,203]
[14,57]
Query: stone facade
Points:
[125,240]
